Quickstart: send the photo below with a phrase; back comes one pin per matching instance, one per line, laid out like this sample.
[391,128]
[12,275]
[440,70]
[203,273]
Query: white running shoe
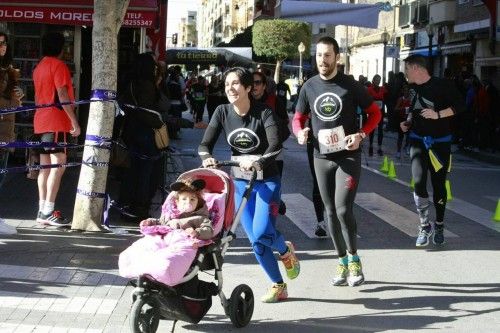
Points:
[7,229]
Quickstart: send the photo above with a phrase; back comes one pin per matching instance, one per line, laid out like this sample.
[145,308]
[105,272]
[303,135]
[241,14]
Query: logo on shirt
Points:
[328,106]
[243,140]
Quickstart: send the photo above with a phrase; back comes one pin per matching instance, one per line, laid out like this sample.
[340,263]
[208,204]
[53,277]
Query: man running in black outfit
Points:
[331,99]
[434,103]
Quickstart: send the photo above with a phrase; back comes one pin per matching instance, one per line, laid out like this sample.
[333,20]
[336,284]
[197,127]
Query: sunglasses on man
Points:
[3,43]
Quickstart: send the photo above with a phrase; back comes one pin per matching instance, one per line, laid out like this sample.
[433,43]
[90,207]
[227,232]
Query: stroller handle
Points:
[236,164]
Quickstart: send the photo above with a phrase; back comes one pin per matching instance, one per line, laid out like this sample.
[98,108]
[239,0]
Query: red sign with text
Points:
[72,16]
[85,3]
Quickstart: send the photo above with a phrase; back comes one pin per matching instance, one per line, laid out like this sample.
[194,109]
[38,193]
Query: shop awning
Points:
[215,56]
[424,51]
[456,48]
[359,15]
[141,13]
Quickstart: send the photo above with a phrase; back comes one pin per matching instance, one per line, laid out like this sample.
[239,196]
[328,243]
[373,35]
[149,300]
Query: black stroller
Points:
[191,299]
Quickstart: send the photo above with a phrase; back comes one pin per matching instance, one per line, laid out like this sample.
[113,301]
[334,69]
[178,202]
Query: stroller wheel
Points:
[241,305]
[144,316]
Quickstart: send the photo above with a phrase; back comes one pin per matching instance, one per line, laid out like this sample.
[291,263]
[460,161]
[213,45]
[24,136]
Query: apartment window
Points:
[322,28]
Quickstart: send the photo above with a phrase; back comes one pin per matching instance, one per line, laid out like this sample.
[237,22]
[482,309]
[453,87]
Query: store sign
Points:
[86,3]
[72,16]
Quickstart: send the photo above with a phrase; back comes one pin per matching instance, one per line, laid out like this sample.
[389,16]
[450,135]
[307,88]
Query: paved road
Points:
[56,281]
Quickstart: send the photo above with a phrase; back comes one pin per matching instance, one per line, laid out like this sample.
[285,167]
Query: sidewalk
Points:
[54,280]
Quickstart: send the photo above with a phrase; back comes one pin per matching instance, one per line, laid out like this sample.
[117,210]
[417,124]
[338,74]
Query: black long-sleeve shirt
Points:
[256,133]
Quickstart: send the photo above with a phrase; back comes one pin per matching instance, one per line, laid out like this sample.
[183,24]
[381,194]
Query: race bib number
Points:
[331,140]
[238,173]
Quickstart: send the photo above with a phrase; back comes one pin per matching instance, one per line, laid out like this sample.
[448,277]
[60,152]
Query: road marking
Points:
[300,210]
[461,207]
[390,212]
[473,213]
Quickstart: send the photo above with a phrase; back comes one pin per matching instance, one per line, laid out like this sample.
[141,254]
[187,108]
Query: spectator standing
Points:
[378,94]
[140,184]
[52,82]
[282,89]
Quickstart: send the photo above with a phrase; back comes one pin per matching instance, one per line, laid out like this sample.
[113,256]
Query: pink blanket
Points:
[163,253]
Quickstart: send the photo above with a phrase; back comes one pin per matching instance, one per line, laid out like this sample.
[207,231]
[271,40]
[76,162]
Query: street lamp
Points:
[301,49]
[385,39]
[430,33]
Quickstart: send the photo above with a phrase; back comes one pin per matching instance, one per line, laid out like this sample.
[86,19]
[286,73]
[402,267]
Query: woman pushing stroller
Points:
[252,132]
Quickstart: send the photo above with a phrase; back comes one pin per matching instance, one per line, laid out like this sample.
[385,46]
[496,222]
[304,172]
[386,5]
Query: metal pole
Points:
[300,68]
[384,63]
[431,62]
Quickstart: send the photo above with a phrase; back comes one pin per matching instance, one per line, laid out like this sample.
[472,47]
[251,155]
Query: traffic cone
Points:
[496,217]
[412,183]
[449,197]
[384,167]
[392,171]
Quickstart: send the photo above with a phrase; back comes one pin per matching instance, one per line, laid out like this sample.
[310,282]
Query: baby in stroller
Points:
[187,211]
[180,294]
[170,243]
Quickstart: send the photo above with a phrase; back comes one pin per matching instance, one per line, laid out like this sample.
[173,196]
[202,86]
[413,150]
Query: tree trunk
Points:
[108,15]
[278,70]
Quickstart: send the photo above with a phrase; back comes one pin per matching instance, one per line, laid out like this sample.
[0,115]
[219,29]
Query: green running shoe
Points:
[289,259]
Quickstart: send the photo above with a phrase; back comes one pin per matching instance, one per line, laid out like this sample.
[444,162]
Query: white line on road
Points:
[473,212]
[461,207]
[300,211]
[392,213]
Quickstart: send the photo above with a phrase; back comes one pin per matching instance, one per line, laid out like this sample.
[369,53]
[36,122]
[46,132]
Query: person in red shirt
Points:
[52,81]
[402,109]
[378,94]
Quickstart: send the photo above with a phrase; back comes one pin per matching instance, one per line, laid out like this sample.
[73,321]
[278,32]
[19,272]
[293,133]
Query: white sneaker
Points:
[7,229]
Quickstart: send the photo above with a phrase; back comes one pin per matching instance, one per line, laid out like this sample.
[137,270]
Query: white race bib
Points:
[331,140]
[247,175]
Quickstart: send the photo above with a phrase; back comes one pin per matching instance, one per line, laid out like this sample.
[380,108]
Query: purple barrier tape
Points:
[50,166]
[98,141]
[90,193]
[37,144]
[98,95]
[106,206]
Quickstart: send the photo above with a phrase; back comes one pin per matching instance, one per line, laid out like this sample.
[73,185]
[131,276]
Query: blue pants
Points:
[259,221]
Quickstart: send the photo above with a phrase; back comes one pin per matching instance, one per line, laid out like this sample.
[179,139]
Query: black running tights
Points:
[338,183]
[421,165]
[318,204]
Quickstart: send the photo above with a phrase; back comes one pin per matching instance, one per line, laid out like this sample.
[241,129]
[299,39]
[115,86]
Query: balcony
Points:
[442,11]
[413,13]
